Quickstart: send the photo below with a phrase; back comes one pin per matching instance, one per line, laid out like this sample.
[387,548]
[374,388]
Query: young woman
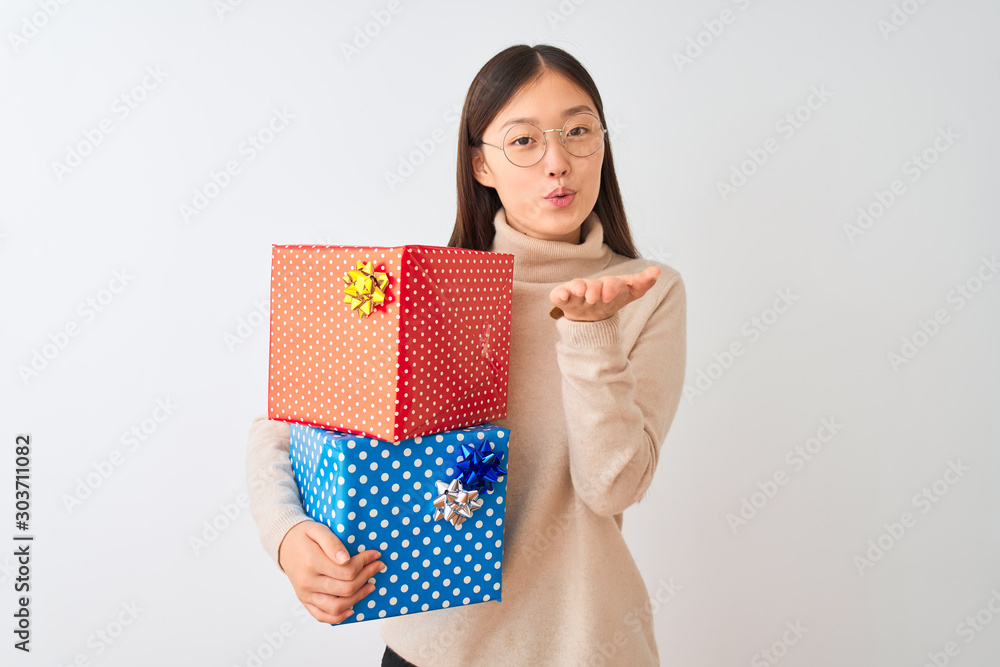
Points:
[597,365]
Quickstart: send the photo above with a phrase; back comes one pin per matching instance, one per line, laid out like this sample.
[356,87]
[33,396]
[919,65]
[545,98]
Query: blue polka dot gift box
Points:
[389,343]
[432,505]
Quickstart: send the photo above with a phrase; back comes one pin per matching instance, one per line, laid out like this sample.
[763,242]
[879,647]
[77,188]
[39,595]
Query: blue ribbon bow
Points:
[480,467]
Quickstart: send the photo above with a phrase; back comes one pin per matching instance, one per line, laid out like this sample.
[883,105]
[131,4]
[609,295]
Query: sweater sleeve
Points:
[274,497]
[619,404]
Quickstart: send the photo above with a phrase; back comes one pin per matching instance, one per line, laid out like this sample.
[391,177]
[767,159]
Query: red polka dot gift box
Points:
[433,506]
[389,343]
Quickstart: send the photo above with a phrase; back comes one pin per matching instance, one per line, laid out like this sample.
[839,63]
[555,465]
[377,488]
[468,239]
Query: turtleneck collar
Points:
[542,261]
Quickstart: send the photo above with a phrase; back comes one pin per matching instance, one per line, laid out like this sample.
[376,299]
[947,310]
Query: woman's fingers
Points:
[595,291]
[578,287]
[332,607]
[364,560]
[324,616]
[638,284]
[347,585]
[648,276]
[335,606]
[644,279]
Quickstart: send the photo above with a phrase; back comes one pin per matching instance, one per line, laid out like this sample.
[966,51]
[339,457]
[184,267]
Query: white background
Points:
[678,129]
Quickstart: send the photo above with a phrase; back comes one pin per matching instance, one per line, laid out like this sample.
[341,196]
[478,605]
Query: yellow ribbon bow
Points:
[365,288]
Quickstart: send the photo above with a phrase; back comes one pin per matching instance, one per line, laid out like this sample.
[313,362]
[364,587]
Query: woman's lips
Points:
[561,202]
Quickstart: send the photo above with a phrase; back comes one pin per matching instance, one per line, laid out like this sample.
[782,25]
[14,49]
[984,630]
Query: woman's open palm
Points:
[593,299]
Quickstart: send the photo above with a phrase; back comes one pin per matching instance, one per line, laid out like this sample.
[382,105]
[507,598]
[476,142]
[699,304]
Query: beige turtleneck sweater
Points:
[588,408]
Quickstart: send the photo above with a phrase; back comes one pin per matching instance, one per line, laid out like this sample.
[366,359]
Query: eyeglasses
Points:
[524,144]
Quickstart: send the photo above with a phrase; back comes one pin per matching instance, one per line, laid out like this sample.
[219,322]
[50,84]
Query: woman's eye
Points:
[521,142]
[578,131]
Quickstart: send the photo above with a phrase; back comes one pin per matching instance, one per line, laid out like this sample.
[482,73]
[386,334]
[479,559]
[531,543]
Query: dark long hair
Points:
[495,84]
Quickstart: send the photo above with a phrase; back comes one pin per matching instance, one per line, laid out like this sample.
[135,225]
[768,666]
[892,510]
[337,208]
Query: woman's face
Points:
[524,191]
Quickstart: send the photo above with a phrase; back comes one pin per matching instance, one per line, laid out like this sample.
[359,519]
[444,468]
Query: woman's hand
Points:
[593,299]
[327,581]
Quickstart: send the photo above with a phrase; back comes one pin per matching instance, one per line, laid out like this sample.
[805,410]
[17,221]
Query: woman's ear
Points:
[480,170]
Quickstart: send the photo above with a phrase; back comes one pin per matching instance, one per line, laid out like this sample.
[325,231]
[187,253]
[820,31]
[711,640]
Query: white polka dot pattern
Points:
[379,495]
[434,358]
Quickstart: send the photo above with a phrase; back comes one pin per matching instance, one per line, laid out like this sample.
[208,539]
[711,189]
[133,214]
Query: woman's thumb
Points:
[329,543]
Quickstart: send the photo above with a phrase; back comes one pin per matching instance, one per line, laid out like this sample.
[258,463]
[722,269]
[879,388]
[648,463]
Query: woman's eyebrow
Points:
[566,114]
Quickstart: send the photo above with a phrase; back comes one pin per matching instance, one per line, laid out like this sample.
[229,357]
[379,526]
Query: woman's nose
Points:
[556,158]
